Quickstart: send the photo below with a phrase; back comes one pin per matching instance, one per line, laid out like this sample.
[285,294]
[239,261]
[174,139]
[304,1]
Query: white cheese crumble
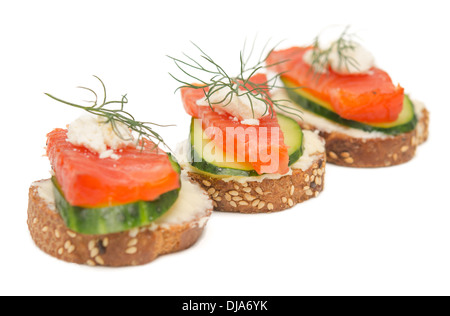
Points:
[239,107]
[360,60]
[109,154]
[45,192]
[95,134]
[250,122]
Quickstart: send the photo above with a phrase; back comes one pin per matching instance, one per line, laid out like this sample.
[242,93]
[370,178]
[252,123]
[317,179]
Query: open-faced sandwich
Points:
[249,158]
[114,198]
[366,120]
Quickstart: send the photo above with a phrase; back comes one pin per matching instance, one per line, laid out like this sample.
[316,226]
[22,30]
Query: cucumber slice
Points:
[293,137]
[174,163]
[406,121]
[205,160]
[112,219]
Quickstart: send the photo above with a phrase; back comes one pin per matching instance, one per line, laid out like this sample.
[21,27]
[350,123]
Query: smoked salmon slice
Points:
[268,154]
[86,180]
[367,97]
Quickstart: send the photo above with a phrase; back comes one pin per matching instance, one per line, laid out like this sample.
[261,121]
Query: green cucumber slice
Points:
[406,121]
[203,160]
[293,137]
[174,163]
[112,219]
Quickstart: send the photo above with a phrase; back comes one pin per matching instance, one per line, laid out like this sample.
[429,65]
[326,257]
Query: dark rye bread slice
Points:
[348,151]
[268,195]
[130,248]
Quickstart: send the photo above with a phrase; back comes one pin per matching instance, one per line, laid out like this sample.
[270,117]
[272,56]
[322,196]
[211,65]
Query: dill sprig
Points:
[237,86]
[118,115]
[344,44]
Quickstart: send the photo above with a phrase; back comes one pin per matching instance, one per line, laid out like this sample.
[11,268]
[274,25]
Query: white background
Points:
[372,232]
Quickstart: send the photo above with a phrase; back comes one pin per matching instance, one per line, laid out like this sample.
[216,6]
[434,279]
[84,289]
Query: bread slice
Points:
[351,147]
[266,193]
[176,230]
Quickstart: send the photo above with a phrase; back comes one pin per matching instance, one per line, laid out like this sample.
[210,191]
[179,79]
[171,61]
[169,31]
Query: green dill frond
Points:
[210,77]
[116,114]
[321,56]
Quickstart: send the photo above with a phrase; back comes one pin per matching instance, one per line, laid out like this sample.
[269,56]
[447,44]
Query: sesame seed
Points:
[215,204]
[99,260]
[206,183]
[105,242]
[318,180]
[395,156]
[261,205]
[292,190]
[233,204]
[255,203]
[91,245]
[233,193]
[284,199]
[248,190]
[249,197]
[132,242]
[218,199]
[71,234]
[312,178]
[349,160]
[404,149]
[413,141]
[345,154]
[131,251]
[320,172]
[237,198]
[45,229]
[315,172]
[290,202]
[244,203]
[316,194]
[236,187]
[270,206]
[94,252]
[227,197]
[216,194]
[57,234]
[309,192]
[71,249]
[134,232]
[306,178]
[60,251]
[35,220]
[259,190]
[90,263]
[211,191]
[332,155]
[67,244]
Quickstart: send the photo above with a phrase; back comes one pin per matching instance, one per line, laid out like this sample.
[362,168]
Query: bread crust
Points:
[135,247]
[348,151]
[269,195]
